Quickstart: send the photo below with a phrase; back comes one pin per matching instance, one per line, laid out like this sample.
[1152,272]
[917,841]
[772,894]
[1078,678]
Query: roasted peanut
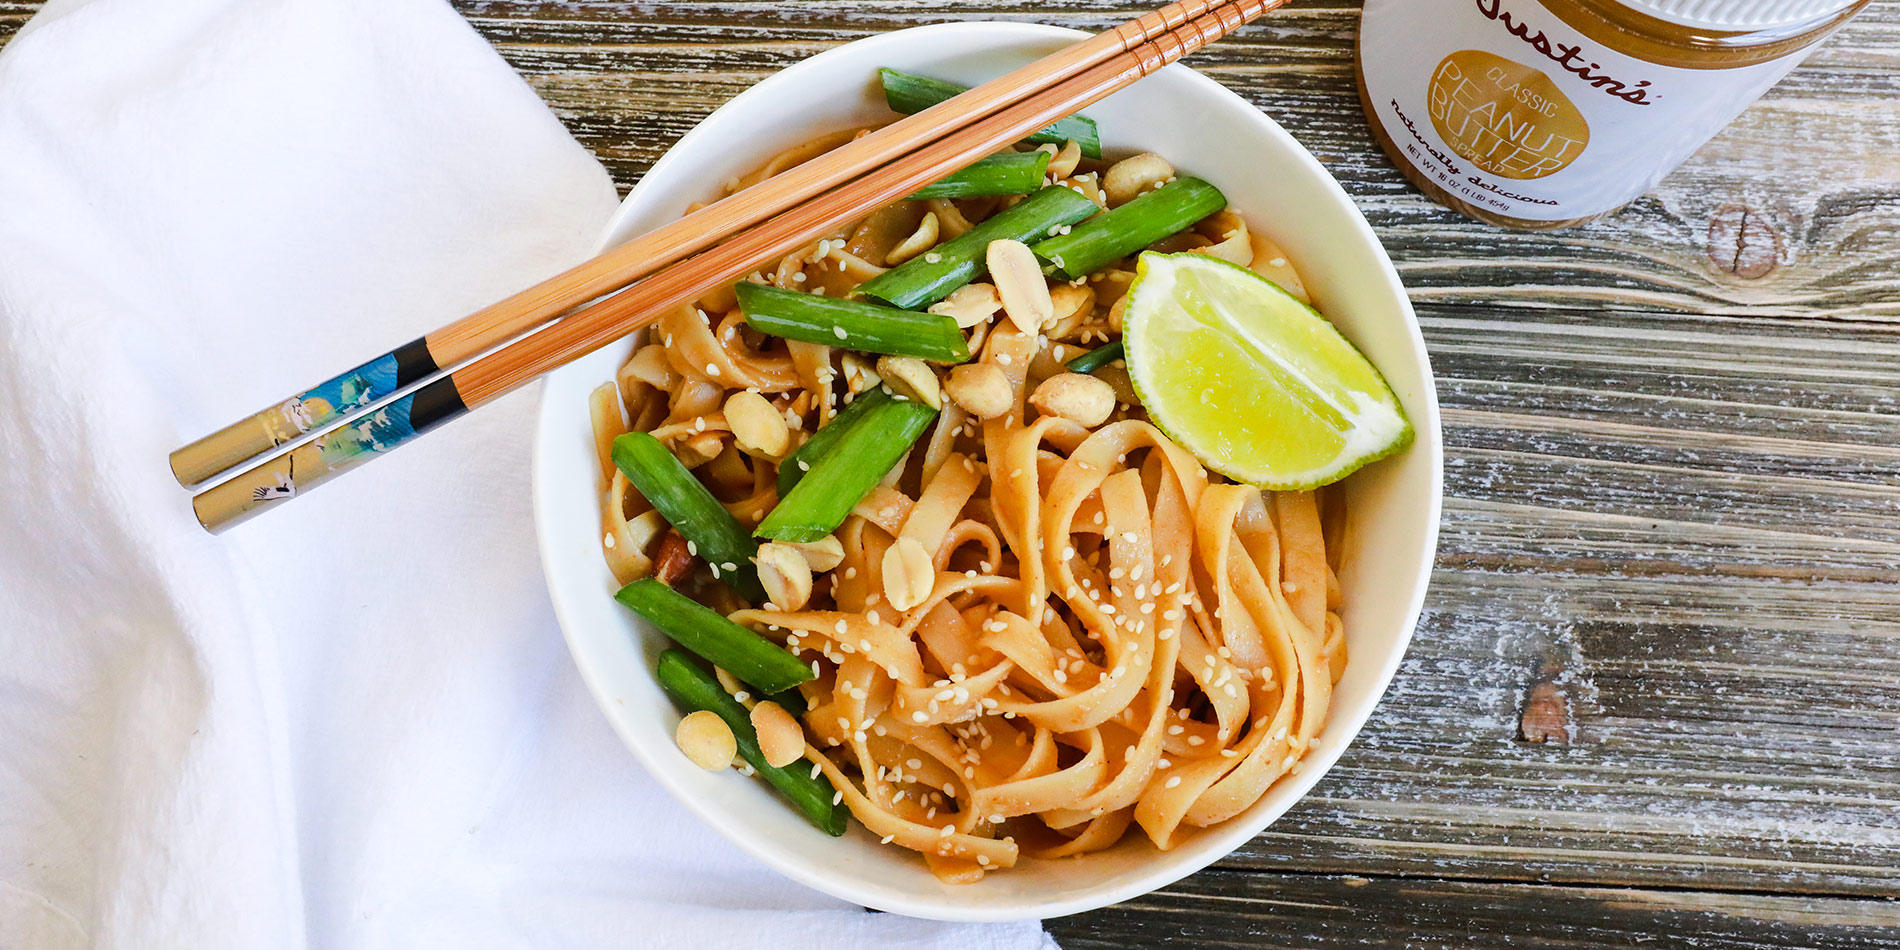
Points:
[911,377]
[969,304]
[673,560]
[644,531]
[1073,306]
[785,575]
[781,738]
[980,388]
[822,555]
[1128,178]
[859,376]
[758,427]
[908,574]
[1075,397]
[706,740]
[1062,163]
[1020,284]
[920,240]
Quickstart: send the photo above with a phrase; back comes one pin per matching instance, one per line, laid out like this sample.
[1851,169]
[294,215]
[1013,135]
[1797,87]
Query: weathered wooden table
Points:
[1655,696]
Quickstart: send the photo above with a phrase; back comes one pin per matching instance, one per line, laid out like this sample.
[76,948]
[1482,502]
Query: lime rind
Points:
[1373,400]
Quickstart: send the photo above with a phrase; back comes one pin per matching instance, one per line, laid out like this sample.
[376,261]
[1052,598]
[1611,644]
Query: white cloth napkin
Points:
[352,722]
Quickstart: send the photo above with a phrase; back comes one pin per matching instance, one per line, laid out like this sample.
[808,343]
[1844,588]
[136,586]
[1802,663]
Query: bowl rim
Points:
[1227,836]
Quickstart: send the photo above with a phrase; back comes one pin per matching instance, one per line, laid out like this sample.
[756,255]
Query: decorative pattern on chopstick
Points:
[851,324]
[799,462]
[711,532]
[908,93]
[839,478]
[694,689]
[1011,173]
[498,373]
[1094,244]
[464,339]
[329,455]
[754,660]
[926,279]
[313,408]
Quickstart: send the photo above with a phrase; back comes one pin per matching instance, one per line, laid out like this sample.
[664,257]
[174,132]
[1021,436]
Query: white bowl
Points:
[1205,129]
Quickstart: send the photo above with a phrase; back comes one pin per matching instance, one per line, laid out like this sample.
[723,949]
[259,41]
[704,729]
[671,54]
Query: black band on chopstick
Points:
[413,362]
[435,404]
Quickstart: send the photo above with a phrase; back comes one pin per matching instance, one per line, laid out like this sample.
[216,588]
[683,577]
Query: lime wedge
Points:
[1255,383]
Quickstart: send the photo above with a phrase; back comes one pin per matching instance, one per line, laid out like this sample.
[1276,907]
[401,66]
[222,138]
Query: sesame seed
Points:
[839,333]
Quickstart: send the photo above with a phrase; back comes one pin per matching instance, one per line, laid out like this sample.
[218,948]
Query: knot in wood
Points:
[1743,242]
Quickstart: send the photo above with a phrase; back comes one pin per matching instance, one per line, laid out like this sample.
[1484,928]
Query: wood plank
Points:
[1643,524]
[629,78]
[13,15]
[1226,909]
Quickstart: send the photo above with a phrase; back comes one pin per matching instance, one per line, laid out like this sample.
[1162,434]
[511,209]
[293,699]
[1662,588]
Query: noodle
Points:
[1107,636]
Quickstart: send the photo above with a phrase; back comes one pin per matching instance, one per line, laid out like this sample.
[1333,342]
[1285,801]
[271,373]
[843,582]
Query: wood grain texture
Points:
[1225,909]
[1671,546]
[1806,164]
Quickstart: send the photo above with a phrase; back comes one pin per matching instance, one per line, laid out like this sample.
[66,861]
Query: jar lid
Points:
[1738,15]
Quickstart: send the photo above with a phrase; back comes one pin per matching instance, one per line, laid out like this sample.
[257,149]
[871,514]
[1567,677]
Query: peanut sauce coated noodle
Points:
[1108,637]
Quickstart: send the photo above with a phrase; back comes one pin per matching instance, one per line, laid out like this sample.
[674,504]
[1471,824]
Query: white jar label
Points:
[1505,106]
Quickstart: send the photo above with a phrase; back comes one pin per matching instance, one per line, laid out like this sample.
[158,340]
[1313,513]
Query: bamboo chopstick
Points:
[349,392]
[598,324]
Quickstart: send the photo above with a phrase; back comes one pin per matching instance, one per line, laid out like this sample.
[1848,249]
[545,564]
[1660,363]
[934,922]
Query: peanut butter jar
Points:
[1542,114]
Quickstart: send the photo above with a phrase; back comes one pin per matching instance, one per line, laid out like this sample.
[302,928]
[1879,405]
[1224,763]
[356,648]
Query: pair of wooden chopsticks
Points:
[672,266]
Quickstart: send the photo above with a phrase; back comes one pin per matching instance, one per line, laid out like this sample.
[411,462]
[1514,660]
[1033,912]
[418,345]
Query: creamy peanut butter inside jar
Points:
[1549,113]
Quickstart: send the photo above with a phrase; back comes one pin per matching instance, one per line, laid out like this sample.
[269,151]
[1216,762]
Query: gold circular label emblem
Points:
[1505,117]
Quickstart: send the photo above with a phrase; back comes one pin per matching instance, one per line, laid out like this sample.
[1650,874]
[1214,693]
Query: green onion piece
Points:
[1094,244]
[799,462]
[694,689]
[840,477]
[928,278]
[691,510]
[851,324]
[791,700]
[751,658]
[1096,358]
[1011,173]
[910,94]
